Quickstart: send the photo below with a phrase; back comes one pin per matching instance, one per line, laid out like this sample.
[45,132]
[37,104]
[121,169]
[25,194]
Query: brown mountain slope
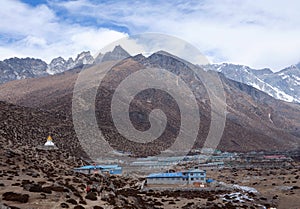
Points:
[255,121]
[23,126]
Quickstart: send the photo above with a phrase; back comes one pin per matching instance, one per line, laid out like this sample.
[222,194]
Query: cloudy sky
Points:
[257,33]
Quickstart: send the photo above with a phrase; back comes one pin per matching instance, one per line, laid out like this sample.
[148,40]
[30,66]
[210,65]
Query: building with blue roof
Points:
[106,169]
[184,177]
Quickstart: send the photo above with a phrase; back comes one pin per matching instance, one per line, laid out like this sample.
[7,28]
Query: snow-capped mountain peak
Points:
[59,64]
[84,58]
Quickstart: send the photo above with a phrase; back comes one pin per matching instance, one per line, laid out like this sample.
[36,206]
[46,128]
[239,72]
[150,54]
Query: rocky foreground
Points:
[31,178]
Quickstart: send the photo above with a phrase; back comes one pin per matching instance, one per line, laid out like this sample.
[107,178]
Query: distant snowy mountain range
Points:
[21,68]
[283,85]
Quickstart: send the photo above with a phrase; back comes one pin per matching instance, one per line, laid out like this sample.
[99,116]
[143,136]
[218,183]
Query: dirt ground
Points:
[280,184]
[48,182]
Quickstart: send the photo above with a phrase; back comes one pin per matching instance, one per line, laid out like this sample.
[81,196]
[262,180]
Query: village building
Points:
[211,165]
[105,169]
[276,158]
[184,177]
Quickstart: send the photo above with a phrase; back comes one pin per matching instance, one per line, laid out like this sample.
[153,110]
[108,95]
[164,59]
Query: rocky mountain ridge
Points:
[283,85]
[21,68]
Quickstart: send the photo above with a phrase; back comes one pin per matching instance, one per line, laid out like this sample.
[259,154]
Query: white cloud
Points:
[258,33]
[38,32]
[253,32]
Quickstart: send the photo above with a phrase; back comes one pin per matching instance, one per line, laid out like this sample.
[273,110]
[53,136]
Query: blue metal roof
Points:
[210,180]
[165,175]
[88,167]
[107,166]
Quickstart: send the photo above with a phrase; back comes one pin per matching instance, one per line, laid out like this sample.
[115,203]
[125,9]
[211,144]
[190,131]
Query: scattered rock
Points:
[72,201]
[91,196]
[97,207]
[78,207]
[16,197]
[64,205]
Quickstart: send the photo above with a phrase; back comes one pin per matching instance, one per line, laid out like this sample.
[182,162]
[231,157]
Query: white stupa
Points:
[49,142]
[49,145]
